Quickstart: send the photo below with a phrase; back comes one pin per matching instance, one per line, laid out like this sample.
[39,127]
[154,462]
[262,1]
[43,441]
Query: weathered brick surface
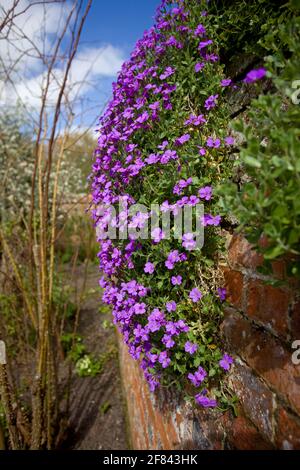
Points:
[243,435]
[266,355]
[295,320]
[288,431]
[234,286]
[259,325]
[241,254]
[257,401]
[268,305]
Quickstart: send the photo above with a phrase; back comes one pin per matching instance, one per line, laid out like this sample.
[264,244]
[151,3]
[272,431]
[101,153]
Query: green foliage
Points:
[90,366]
[86,365]
[268,203]
[77,239]
[104,407]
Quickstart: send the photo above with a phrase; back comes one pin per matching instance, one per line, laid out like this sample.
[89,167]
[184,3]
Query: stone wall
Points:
[259,327]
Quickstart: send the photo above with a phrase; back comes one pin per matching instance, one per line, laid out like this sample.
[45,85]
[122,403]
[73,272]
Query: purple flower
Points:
[176,280]
[143,117]
[205,401]
[168,155]
[163,145]
[200,30]
[188,241]
[173,257]
[198,377]
[221,293]
[167,73]
[195,120]
[213,143]
[190,347]
[226,82]
[169,264]
[181,185]
[195,295]
[182,326]
[153,158]
[157,235]
[205,193]
[210,102]
[181,140]
[193,201]
[171,306]
[204,44]
[165,207]
[164,359]
[149,268]
[192,379]
[156,320]
[171,328]
[229,140]
[202,151]
[168,341]
[139,308]
[140,333]
[211,57]
[152,357]
[154,106]
[209,219]
[199,66]
[226,362]
[254,75]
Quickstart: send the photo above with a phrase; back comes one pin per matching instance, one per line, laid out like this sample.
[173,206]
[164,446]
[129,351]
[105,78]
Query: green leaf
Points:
[251,161]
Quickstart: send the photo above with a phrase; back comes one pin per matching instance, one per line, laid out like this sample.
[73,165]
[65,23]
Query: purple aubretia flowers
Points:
[195,295]
[171,306]
[205,193]
[199,66]
[221,293]
[190,347]
[176,280]
[211,102]
[138,132]
[198,377]
[204,401]
[254,75]
[183,139]
[149,268]
[226,362]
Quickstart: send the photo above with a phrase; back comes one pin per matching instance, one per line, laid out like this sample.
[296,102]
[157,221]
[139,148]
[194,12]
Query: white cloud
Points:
[87,70]
[32,32]
[41,26]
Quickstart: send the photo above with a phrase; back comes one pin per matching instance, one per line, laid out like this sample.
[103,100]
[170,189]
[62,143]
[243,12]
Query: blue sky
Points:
[112,28]
[119,23]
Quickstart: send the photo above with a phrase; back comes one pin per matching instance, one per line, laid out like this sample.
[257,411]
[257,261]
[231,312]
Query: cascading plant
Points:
[163,140]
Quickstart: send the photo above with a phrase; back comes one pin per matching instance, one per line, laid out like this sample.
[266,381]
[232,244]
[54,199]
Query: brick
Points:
[295,320]
[269,305]
[288,431]
[241,254]
[256,399]
[279,269]
[243,435]
[266,355]
[208,432]
[172,433]
[234,287]
[236,330]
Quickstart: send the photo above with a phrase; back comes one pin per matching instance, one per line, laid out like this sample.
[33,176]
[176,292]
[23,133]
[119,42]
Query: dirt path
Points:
[97,406]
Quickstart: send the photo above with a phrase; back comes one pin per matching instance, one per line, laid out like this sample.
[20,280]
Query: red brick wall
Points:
[258,329]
